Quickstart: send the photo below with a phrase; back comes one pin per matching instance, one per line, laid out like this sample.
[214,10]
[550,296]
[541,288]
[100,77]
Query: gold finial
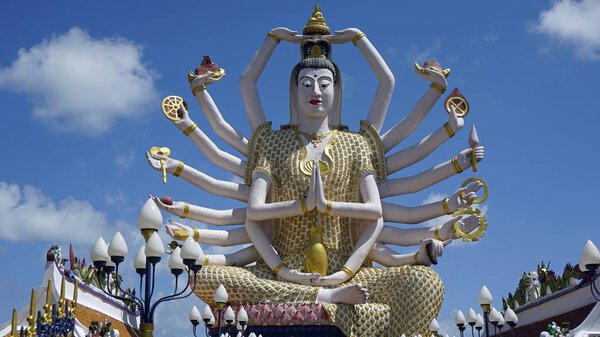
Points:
[74,301]
[47,317]
[316,23]
[61,301]
[13,326]
[32,319]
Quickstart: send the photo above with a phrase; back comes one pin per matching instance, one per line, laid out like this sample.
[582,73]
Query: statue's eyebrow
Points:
[324,76]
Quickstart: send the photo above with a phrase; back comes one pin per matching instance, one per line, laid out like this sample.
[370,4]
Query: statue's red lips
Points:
[315,101]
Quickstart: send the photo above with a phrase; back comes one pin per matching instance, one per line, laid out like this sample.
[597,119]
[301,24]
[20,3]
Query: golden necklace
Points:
[316,137]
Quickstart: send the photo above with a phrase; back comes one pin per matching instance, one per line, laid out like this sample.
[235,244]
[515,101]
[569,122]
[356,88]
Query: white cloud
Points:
[576,23]
[81,84]
[491,36]
[125,160]
[420,54]
[26,214]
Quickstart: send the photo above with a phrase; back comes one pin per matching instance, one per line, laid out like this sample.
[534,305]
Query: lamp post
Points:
[208,318]
[434,327]
[485,300]
[589,263]
[221,298]
[494,318]
[106,260]
[194,319]
[472,319]
[459,319]
[479,324]
[511,319]
[500,323]
[242,318]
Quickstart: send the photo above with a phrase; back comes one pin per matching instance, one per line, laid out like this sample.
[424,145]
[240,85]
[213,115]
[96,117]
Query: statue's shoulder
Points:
[372,137]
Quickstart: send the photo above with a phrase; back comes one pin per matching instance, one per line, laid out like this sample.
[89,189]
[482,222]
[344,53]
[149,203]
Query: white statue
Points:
[313,190]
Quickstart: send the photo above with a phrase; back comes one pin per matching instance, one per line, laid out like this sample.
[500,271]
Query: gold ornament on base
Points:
[315,254]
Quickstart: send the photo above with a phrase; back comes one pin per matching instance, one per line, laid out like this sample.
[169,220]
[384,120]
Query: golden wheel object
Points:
[476,235]
[170,106]
[458,101]
[485,189]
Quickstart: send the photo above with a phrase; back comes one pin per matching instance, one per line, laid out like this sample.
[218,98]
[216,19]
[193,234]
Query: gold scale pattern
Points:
[401,299]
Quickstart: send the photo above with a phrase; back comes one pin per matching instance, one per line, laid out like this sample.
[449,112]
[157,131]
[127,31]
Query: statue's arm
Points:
[211,216]
[259,209]
[209,184]
[222,128]
[413,236]
[405,127]
[216,156]
[422,149]
[389,258]
[412,215]
[238,258]
[429,177]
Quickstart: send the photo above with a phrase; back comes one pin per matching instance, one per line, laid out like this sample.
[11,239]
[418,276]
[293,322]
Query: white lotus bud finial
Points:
[473,138]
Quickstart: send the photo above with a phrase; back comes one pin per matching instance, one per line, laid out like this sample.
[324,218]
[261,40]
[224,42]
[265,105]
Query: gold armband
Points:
[357,38]
[304,208]
[186,210]
[206,260]
[438,87]
[348,271]
[278,268]
[196,235]
[328,208]
[436,231]
[199,88]
[415,261]
[445,207]
[449,131]
[188,131]
[274,37]
[179,169]
[456,166]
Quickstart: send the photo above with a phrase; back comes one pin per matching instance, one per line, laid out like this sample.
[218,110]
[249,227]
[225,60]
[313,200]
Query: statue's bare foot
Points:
[348,294]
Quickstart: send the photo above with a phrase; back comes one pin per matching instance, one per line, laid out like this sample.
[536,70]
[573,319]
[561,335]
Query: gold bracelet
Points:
[206,260]
[179,169]
[449,131]
[436,231]
[438,87]
[445,207]
[278,268]
[198,89]
[188,131]
[186,210]
[415,258]
[456,166]
[348,271]
[274,37]
[328,208]
[358,37]
[303,206]
[196,235]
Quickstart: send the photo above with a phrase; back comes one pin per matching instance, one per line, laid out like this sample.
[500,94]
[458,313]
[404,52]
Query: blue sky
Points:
[75,130]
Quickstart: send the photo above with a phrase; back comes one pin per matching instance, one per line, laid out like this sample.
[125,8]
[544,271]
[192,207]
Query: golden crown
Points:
[316,23]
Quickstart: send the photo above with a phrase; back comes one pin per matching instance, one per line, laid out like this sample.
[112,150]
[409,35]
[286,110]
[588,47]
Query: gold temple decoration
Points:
[316,52]
[306,167]
[315,254]
[316,23]
[316,137]
[30,331]
[47,316]
[62,301]
[162,151]
[170,106]
[73,303]
[13,324]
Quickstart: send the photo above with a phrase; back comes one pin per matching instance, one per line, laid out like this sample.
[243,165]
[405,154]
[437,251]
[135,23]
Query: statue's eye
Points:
[324,84]
[306,84]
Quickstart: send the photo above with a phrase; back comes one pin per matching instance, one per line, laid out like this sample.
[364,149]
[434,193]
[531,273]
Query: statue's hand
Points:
[295,276]
[432,76]
[430,250]
[154,161]
[178,231]
[343,36]
[455,122]
[464,157]
[464,196]
[185,121]
[206,79]
[332,280]
[311,198]
[176,208]
[286,34]
[321,202]
[466,225]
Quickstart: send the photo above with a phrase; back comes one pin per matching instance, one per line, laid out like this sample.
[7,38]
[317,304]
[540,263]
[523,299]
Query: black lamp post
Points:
[589,263]
[511,319]
[459,319]
[485,300]
[471,320]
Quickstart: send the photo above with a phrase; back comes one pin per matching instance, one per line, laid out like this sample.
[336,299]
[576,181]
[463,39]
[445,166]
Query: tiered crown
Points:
[316,47]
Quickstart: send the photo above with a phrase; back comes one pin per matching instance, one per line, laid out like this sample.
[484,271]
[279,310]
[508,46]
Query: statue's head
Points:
[315,85]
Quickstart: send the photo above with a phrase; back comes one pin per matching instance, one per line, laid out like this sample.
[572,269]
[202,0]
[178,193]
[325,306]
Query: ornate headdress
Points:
[316,47]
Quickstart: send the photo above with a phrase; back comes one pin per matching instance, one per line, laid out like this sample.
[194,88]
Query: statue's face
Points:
[315,94]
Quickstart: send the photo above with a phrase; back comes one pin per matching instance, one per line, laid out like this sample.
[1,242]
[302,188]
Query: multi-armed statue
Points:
[313,190]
